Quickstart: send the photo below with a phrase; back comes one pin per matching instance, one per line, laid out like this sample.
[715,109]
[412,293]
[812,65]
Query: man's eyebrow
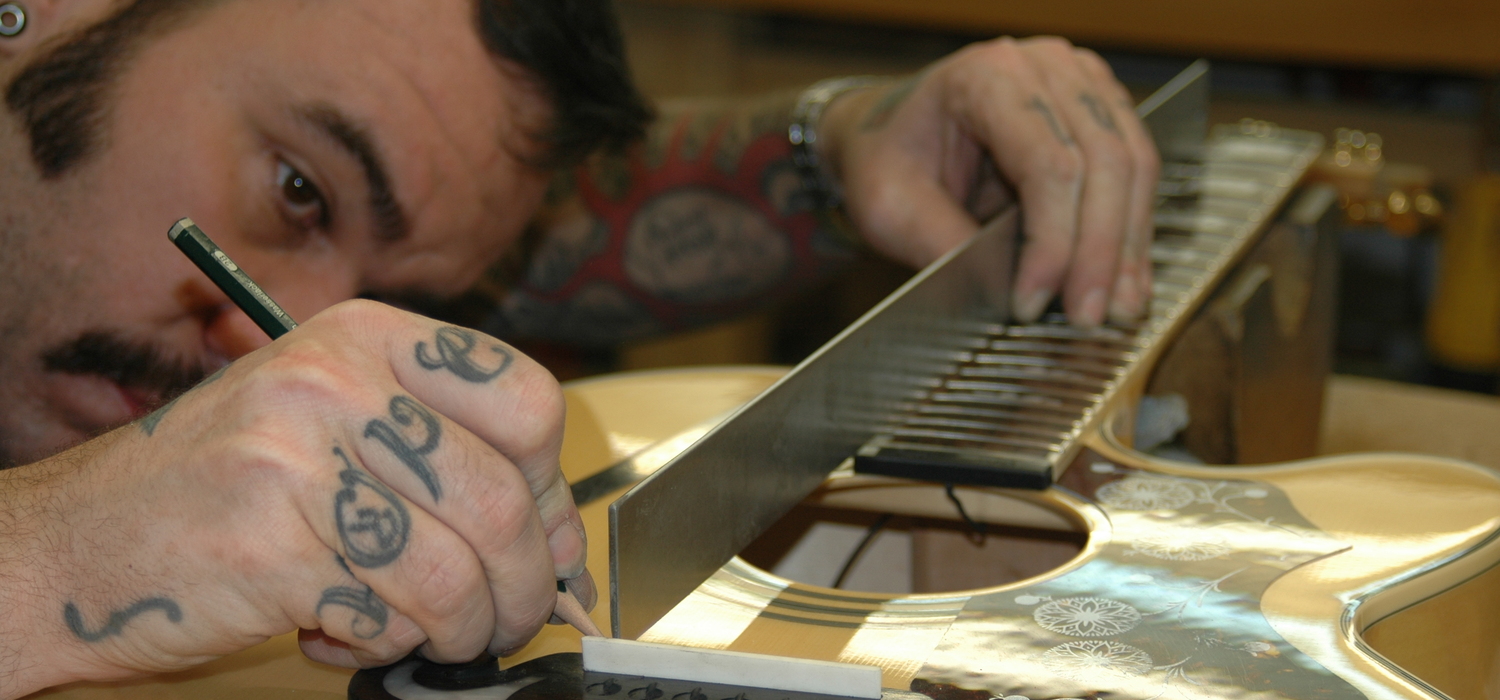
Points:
[391,222]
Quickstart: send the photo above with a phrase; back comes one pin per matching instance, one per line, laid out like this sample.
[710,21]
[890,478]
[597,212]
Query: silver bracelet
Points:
[820,188]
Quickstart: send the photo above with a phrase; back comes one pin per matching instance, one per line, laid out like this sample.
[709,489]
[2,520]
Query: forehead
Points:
[453,124]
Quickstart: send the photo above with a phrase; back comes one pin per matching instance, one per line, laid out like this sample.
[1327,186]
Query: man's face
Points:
[330,147]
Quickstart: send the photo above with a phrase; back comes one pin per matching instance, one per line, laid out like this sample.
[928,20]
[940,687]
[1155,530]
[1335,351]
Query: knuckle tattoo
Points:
[370,614]
[1053,123]
[372,522]
[407,413]
[1100,112]
[454,350]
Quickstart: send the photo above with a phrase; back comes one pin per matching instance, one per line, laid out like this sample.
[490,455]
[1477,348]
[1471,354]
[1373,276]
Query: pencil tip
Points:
[572,612]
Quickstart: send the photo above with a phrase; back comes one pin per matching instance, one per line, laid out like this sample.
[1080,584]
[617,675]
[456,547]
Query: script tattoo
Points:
[115,625]
[406,412]
[699,246]
[372,522]
[1057,129]
[1100,112]
[370,612]
[455,353]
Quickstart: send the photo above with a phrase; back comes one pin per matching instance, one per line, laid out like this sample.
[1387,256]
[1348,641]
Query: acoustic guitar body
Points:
[1290,581]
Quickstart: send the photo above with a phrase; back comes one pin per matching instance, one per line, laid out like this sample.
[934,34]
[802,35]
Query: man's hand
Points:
[925,159]
[378,478]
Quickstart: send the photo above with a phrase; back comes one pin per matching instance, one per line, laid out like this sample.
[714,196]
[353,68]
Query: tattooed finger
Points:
[1037,105]
[1100,113]
[454,350]
[407,413]
[368,614]
[372,522]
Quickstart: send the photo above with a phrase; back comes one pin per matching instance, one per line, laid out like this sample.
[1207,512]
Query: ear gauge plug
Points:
[12,20]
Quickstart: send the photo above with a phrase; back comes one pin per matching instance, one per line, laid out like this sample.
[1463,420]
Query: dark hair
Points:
[573,48]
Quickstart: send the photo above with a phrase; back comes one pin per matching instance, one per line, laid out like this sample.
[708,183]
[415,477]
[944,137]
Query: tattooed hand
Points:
[923,159]
[375,478]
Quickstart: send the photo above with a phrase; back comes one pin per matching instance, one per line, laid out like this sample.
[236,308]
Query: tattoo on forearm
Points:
[1041,108]
[611,174]
[881,112]
[406,412]
[623,256]
[373,523]
[698,246]
[115,625]
[1100,112]
[455,352]
[149,423]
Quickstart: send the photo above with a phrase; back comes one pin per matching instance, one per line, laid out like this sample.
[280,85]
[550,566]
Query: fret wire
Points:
[1039,385]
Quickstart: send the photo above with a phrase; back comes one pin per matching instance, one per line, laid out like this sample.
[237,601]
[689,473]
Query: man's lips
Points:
[102,379]
[92,404]
[140,401]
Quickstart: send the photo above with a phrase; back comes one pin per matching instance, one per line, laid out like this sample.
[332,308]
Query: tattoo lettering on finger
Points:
[115,625]
[455,352]
[1041,108]
[370,612]
[407,413]
[373,524]
[1100,112]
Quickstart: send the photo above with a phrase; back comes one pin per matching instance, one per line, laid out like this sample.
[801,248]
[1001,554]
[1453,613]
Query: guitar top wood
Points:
[1195,582]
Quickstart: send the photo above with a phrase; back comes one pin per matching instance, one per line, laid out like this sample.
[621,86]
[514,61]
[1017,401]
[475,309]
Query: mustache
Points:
[132,364]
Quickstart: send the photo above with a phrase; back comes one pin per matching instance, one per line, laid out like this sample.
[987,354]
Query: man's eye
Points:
[303,198]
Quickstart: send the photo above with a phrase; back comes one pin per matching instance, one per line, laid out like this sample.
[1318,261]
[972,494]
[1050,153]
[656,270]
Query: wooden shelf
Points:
[1449,35]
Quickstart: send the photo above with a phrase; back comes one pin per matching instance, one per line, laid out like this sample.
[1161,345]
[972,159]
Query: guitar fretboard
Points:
[1012,402]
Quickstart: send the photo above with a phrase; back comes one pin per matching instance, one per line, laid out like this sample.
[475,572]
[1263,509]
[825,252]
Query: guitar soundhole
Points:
[914,541]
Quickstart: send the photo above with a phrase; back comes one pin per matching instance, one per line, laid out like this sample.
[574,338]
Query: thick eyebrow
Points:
[391,222]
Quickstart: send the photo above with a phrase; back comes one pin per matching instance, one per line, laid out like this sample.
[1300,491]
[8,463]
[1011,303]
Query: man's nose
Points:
[230,333]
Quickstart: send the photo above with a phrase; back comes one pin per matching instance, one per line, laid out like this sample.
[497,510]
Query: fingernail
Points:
[582,533]
[565,553]
[1029,308]
[1125,306]
[1091,311]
